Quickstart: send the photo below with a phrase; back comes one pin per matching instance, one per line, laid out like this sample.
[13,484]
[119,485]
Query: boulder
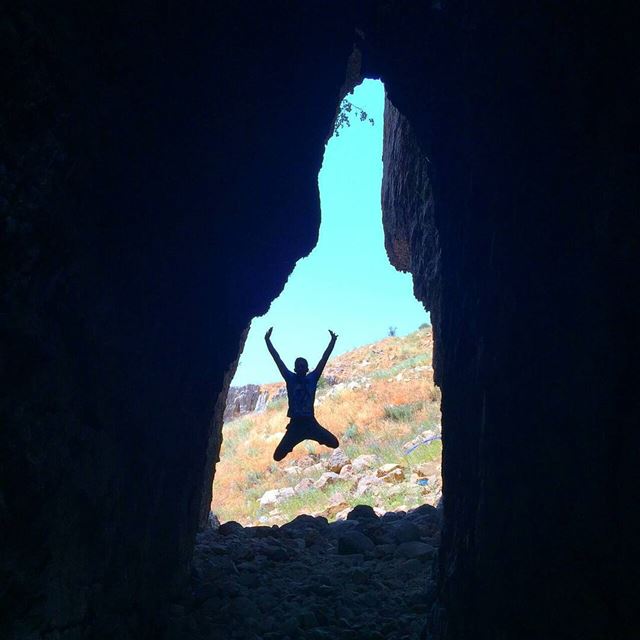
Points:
[404,531]
[426,469]
[326,479]
[336,461]
[362,512]
[385,469]
[424,510]
[391,473]
[304,521]
[230,528]
[354,542]
[414,549]
[364,462]
[304,485]
[273,496]
[335,509]
[366,483]
[346,471]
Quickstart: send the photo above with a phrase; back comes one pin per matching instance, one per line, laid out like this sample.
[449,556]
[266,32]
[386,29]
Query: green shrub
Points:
[402,412]
[425,325]
[351,433]
[253,477]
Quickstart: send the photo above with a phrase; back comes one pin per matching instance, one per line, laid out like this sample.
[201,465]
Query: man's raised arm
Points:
[325,356]
[275,355]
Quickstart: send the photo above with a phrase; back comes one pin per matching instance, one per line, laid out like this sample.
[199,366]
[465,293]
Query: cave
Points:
[158,183]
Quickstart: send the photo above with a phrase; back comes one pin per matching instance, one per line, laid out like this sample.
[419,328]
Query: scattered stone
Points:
[337,460]
[364,462]
[326,479]
[426,469]
[385,469]
[366,483]
[304,521]
[424,510]
[230,528]
[354,542]
[362,512]
[304,485]
[347,471]
[273,496]
[395,476]
[336,508]
[404,531]
[414,549]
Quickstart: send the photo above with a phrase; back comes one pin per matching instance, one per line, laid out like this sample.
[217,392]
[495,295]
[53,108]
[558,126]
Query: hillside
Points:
[381,403]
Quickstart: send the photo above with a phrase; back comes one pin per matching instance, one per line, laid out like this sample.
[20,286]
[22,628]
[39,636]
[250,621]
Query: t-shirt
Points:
[301,391]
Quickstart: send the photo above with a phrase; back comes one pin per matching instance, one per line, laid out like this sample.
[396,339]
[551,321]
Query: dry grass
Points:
[395,401]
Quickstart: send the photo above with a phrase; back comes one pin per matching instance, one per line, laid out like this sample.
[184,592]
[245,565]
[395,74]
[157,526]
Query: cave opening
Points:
[377,392]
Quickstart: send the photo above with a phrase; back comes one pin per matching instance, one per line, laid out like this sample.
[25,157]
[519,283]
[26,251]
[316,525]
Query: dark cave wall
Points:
[526,116]
[158,181]
[157,184]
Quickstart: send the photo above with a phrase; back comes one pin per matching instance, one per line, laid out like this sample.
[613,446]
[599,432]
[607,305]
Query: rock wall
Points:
[408,217]
[159,182]
[525,116]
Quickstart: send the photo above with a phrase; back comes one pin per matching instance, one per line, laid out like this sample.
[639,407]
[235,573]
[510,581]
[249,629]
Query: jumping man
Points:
[301,391]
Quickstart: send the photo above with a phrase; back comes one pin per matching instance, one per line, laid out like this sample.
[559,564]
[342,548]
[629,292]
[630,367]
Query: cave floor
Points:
[364,577]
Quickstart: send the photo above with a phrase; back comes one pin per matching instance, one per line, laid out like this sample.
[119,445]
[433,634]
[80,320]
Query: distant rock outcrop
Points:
[245,399]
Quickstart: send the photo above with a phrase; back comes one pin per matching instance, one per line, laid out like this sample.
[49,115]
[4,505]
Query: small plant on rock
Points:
[343,119]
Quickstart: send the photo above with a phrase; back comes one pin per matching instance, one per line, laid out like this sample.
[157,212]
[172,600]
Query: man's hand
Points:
[334,336]
[267,336]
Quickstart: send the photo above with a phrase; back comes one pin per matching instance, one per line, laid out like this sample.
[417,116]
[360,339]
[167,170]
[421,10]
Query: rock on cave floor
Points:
[366,577]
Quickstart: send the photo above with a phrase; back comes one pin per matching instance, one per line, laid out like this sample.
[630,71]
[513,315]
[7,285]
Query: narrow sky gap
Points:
[347,283]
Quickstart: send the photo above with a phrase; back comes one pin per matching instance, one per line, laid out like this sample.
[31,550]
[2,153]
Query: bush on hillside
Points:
[402,412]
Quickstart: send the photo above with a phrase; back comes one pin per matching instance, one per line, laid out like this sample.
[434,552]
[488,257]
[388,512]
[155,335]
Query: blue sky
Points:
[346,284]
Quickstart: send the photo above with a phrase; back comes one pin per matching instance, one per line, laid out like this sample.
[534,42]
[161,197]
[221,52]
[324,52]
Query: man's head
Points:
[301,367]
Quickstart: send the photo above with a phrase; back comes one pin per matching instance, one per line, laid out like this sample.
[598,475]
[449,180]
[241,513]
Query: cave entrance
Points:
[376,394]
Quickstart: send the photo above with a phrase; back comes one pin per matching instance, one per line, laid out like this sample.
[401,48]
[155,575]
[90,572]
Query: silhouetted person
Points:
[301,391]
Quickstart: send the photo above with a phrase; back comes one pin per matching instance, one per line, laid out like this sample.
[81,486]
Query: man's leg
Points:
[323,436]
[290,439]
